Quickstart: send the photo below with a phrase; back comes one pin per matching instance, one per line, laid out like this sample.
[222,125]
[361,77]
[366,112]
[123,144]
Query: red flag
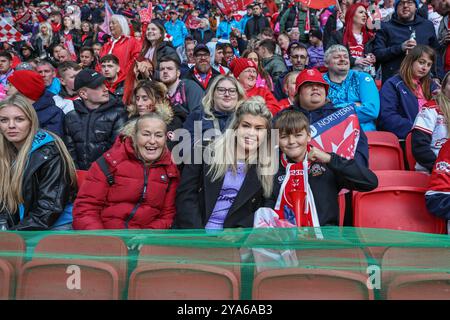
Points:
[146,14]
[8,33]
[317,4]
[229,6]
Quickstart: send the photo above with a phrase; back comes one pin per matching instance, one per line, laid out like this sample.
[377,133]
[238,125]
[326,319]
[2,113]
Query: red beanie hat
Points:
[240,64]
[29,83]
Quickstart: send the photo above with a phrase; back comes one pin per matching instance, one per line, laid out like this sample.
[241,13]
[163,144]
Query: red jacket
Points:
[271,102]
[101,206]
[127,49]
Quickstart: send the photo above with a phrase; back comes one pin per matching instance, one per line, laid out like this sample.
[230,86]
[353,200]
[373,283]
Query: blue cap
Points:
[396,2]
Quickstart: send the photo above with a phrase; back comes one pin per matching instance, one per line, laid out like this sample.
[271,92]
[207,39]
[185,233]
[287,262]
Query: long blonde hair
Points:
[208,99]
[223,149]
[46,38]
[13,162]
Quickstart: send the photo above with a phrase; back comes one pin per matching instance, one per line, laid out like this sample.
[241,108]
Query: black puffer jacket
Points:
[46,191]
[89,133]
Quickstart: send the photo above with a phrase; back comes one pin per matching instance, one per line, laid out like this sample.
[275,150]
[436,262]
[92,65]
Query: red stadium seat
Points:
[12,248]
[181,273]
[385,152]
[102,277]
[321,274]
[398,203]
[81,175]
[416,274]
[409,155]
[6,280]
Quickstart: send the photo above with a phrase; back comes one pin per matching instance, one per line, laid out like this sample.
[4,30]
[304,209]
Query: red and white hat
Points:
[310,75]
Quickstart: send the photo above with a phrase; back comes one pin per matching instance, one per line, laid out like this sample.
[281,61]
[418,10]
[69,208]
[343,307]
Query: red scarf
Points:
[295,196]
[199,78]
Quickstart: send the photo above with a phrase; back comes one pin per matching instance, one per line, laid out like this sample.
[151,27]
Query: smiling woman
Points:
[141,191]
[234,177]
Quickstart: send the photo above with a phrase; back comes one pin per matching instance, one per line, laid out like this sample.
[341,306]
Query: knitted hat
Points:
[396,2]
[29,83]
[310,75]
[240,64]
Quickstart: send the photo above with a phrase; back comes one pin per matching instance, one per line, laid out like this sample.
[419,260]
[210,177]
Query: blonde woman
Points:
[141,194]
[431,128]
[45,40]
[218,105]
[229,185]
[37,174]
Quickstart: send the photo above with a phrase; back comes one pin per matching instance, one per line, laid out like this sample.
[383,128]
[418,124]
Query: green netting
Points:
[307,263]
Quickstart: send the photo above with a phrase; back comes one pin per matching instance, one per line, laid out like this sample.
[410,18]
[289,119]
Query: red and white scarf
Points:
[296,195]
[199,78]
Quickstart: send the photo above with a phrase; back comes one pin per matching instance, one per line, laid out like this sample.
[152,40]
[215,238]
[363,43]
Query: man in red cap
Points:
[31,85]
[332,130]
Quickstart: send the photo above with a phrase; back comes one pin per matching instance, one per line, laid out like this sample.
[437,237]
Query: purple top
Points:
[231,185]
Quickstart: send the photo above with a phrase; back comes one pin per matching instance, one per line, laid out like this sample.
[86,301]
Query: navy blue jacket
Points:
[398,107]
[388,41]
[50,116]
[362,149]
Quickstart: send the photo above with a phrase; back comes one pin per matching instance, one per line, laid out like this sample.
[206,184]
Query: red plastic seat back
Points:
[12,248]
[179,273]
[385,152]
[409,155]
[321,274]
[416,273]
[398,203]
[112,248]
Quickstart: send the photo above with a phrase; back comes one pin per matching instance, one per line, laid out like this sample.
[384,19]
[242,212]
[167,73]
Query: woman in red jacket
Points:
[124,47]
[139,192]
[246,72]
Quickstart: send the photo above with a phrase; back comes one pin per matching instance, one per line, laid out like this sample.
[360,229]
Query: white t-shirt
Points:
[431,120]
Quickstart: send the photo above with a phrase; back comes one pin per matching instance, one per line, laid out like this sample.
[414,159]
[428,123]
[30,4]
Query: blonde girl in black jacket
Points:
[37,175]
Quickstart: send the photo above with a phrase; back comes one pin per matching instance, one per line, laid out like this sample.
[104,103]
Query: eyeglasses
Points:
[222,91]
[408,2]
[202,56]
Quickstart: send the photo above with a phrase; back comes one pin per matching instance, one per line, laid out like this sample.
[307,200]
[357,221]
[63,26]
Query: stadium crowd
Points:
[192,114]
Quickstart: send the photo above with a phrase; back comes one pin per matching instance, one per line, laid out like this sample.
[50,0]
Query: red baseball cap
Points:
[310,75]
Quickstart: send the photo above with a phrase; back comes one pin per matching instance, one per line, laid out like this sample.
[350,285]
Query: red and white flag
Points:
[146,14]
[108,14]
[317,4]
[229,6]
[8,33]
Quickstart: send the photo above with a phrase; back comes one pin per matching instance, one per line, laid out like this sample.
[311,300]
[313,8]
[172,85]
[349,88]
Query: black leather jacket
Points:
[45,191]
[89,133]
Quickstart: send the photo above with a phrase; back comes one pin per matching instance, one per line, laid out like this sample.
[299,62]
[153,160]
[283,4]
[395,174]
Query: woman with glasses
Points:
[264,79]
[246,72]
[220,102]
[357,38]
[234,176]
